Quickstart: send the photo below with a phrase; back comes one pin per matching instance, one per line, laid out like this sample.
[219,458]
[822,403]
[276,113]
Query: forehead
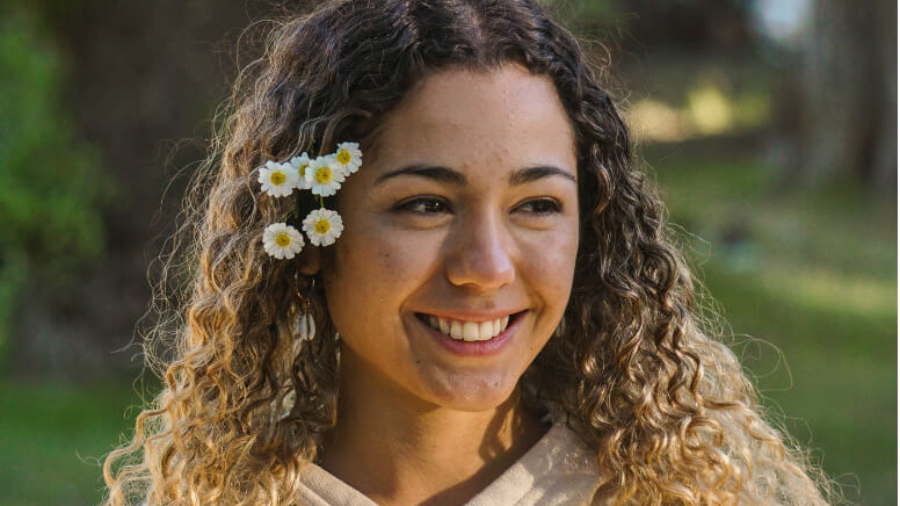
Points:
[462,117]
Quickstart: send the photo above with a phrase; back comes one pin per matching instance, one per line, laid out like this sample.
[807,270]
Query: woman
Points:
[486,309]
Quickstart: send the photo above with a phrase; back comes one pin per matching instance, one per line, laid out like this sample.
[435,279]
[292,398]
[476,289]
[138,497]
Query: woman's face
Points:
[466,216]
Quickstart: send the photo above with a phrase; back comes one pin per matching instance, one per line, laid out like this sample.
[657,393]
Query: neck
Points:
[397,449]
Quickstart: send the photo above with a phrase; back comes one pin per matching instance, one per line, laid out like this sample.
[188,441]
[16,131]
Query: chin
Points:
[473,392]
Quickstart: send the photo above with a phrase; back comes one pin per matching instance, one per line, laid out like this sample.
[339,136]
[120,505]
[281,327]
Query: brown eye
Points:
[424,205]
[541,206]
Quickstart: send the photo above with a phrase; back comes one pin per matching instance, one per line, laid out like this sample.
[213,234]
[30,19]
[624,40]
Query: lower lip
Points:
[475,348]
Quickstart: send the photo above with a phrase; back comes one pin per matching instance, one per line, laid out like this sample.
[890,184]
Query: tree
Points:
[848,96]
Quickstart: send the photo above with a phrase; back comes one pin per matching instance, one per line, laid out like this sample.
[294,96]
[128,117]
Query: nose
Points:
[481,254]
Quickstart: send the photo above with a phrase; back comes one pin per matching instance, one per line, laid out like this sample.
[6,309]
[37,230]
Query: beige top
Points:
[559,470]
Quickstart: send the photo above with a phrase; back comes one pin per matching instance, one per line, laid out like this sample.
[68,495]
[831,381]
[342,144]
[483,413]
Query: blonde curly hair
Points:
[669,411]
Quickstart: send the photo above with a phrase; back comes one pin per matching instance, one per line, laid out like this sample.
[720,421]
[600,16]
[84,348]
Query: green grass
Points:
[807,283]
[53,439]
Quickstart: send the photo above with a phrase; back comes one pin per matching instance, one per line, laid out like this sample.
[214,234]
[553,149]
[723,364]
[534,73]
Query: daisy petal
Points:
[323,226]
[299,164]
[324,176]
[281,241]
[349,156]
[278,180]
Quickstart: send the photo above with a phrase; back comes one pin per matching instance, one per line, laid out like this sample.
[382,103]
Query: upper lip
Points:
[472,315]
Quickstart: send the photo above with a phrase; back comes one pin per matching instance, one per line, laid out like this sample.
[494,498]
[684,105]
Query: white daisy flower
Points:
[300,163]
[278,180]
[324,176]
[281,240]
[323,226]
[349,156]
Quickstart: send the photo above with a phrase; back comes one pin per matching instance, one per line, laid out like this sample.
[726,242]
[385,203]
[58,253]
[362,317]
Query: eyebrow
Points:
[456,178]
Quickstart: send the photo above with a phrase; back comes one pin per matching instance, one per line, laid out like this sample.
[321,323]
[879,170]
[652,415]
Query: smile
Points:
[463,330]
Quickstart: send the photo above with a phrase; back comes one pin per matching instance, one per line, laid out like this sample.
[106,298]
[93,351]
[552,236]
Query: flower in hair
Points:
[324,176]
[323,226]
[281,240]
[299,164]
[349,157]
[278,180]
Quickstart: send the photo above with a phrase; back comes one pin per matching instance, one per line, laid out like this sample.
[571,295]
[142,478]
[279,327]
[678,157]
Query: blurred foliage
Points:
[807,282]
[672,21]
[720,95]
[50,190]
[54,438]
[582,13]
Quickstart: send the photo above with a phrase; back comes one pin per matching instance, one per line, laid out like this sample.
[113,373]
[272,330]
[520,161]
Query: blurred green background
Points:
[769,124]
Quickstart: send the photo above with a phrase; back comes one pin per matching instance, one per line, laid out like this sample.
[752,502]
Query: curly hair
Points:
[670,412]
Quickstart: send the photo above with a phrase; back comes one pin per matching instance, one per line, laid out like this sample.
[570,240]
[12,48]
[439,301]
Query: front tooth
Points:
[470,331]
[456,330]
[503,323]
[444,325]
[496,325]
[485,331]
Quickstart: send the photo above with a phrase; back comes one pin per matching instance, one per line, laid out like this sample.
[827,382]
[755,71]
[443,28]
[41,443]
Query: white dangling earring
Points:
[305,327]
[305,330]
[309,326]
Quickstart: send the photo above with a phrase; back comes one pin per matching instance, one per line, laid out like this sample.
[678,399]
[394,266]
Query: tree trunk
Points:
[848,86]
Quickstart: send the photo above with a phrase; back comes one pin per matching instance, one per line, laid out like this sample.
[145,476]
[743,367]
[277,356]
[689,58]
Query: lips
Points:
[495,342]
[463,330]
[467,330]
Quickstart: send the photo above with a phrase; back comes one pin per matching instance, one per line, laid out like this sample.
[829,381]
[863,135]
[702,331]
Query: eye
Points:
[424,205]
[541,206]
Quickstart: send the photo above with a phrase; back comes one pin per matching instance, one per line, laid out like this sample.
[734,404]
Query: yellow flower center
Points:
[282,239]
[343,157]
[323,175]
[277,178]
[302,169]
[323,226]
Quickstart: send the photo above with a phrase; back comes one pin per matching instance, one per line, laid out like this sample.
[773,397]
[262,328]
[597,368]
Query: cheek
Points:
[552,267]
[388,258]
[374,271]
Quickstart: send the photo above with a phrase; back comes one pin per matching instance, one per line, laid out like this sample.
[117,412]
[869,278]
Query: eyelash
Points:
[415,205]
[555,206]
[411,205]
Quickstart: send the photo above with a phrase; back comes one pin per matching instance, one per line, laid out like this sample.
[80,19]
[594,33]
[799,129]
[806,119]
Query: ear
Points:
[310,260]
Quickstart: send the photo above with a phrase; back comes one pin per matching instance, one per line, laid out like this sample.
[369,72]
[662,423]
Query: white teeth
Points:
[486,330]
[456,331]
[469,330]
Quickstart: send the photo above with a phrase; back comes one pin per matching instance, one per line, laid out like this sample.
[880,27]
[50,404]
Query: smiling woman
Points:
[496,316]
[475,233]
